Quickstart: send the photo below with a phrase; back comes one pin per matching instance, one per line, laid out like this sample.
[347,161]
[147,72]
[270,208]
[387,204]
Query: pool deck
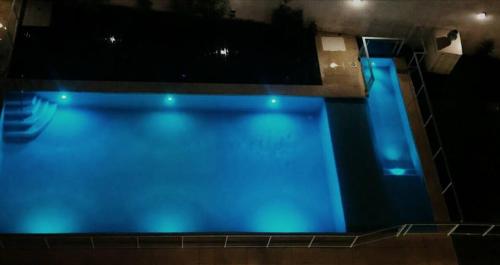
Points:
[345,80]
[409,250]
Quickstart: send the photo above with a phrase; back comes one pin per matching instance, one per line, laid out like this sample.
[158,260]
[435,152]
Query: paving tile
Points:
[267,256]
[175,256]
[223,256]
[316,256]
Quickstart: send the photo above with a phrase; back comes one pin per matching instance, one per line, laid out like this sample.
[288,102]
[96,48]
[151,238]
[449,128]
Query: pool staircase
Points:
[25,116]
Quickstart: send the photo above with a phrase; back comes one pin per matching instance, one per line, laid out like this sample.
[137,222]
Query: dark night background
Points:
[467,108]
[163,46]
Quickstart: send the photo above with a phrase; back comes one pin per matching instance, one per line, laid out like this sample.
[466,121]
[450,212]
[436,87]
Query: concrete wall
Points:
[381,17]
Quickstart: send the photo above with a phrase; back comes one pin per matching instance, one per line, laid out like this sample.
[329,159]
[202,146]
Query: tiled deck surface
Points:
[346,80]
[397,251]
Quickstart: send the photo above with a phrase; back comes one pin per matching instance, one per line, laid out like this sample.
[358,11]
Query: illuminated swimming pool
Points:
[170,163]
[392,136]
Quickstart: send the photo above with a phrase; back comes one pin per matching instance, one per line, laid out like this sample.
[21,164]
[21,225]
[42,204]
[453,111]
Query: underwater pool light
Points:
[63,97]
[274,100]
[397,171]
[169,99]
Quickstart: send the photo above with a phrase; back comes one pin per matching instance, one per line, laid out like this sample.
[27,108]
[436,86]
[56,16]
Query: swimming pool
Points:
[111,162]
[166,163]
[392,135]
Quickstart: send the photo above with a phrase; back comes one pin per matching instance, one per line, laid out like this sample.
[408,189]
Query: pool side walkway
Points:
[410,250]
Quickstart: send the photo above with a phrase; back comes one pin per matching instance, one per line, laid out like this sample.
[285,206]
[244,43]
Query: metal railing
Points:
[429,122]
[395,46]
[137,241]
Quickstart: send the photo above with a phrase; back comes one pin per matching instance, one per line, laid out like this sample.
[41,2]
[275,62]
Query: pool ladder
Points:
[25,116]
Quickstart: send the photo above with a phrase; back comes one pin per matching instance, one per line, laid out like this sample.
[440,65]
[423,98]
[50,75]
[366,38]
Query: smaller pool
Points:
[392,135]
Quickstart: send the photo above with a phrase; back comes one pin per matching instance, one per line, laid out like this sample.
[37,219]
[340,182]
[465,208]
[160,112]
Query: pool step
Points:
[23,123]
[15,112]
[25,116]
[20,102]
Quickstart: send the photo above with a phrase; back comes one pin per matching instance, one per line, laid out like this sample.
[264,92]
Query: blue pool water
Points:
[392,136]
[174,163]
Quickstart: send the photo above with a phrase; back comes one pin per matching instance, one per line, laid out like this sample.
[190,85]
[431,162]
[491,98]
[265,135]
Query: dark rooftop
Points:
[118,43]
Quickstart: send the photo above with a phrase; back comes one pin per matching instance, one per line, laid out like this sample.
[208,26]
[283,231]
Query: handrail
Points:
[399,43]
[415,60]
[91,241]
[364,52]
